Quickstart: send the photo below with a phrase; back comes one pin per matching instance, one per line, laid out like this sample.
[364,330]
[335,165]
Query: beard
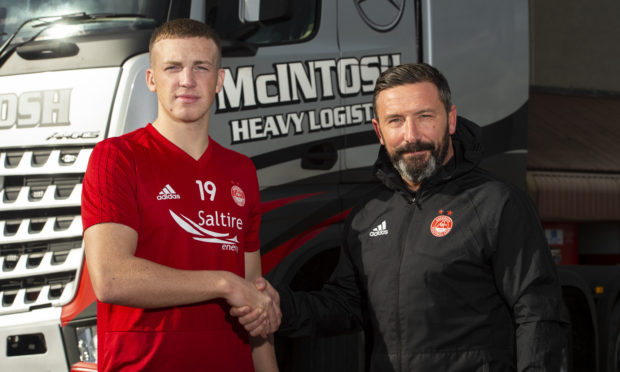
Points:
[417,169]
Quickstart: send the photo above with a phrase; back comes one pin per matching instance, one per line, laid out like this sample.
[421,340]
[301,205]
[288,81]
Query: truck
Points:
[297,100]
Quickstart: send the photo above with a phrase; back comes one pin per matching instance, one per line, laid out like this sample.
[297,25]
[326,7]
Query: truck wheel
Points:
[616,354]
[610,328]
[580,353]
[614,340]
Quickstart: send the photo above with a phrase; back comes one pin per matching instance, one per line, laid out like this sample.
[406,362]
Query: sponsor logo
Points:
[381,229]
[230,247]
[442,224]
[168,193]
[378,20]
[238,195]
[219,219]
[47,108]
[204,235]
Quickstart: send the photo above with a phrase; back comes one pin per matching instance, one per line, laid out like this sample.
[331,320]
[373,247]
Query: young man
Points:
[171,224]
[446,266]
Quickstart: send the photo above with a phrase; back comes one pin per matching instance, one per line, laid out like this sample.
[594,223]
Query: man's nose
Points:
[411,130]
[187,78]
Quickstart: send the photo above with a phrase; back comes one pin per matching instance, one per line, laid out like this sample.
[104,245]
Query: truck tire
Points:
[613,357]
[581,350]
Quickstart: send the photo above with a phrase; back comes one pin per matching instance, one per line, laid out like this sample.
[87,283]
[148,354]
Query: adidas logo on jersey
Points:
[168,193]
[381,229]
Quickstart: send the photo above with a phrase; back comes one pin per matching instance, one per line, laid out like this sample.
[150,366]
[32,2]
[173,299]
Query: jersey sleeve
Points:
[252,238]
[109,187]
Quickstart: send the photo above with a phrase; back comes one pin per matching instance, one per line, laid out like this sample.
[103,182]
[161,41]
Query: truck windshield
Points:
[29,18]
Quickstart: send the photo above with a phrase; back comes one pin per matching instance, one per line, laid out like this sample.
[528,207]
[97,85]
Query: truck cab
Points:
[297,99]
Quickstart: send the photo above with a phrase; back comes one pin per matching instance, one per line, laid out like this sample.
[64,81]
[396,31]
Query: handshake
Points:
[258,308]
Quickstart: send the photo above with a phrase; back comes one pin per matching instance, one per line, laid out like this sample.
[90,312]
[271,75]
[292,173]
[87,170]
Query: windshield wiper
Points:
[9,47]
[45,22]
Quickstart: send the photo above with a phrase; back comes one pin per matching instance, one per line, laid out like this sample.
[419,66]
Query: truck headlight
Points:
[87,343]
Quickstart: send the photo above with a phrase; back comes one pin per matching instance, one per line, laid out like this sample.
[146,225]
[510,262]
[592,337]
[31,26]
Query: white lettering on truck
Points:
[294,82]
[47,108]
[274,126]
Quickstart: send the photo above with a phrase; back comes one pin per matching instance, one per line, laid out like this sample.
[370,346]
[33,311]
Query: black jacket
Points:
[454,277]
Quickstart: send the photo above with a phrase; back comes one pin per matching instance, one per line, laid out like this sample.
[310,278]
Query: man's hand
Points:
[263,321]
[241,293]
[274,313]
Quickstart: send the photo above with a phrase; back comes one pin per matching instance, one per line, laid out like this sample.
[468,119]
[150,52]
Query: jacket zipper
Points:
[413,203]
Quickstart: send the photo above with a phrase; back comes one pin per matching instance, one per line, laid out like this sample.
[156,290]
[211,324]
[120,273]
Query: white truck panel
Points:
[32,109]
[43,321]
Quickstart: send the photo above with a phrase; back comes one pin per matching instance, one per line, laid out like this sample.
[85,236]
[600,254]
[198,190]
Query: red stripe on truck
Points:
[272,258]
[83,298]
[84,367]
[271,205]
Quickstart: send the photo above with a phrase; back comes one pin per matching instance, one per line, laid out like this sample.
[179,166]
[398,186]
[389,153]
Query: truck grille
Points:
[41,249]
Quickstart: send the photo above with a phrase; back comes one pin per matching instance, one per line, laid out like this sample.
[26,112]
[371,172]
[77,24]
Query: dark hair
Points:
[186,28]
[410,74]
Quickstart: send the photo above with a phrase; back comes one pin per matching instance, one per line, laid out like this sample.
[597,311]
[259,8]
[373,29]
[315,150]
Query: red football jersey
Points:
[189,214]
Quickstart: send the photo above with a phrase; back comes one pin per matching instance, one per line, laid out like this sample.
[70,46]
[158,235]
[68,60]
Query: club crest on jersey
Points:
[441,224]
[238,195]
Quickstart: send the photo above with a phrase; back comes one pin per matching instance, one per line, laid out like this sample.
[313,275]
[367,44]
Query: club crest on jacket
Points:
[441,224]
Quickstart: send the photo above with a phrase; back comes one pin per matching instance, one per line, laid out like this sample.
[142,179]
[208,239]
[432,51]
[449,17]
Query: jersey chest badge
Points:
[441,224]
[238,195]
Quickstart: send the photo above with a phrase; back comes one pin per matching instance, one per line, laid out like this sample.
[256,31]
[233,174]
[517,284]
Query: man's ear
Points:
[452,119]
[221,73]
[375,125]
[150,80]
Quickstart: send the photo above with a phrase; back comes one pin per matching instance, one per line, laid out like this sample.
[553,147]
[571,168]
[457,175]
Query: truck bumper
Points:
[32,341]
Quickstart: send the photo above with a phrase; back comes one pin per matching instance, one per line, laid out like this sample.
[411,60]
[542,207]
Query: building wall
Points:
[575,45]
[574,95]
